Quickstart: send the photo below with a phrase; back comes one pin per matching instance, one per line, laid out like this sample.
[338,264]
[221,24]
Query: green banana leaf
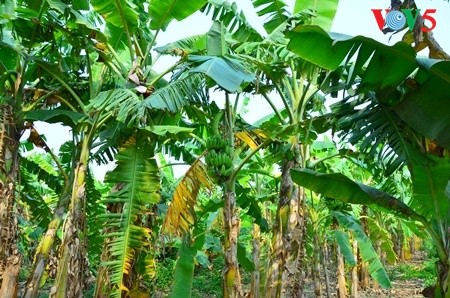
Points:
[274,12]
[120,13]
[383,237]
[163,130]
[325,11]
[313,44]
[233,19]
[342,188]
[137,175]
[344,245]
[381,68]
[429,186]
[216,43]
[228,73]
[184,271]
[427,108]
[163,11]
[244,261]
[368,253]
[192,44]
[57,115]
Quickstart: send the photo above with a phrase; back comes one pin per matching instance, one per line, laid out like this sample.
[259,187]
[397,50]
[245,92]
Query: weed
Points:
[425,272]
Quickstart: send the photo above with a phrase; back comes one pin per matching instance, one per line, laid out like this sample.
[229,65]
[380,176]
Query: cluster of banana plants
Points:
[258,195]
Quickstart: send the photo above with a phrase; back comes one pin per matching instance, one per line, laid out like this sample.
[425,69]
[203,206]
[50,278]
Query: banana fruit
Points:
[219,157]
[216,143]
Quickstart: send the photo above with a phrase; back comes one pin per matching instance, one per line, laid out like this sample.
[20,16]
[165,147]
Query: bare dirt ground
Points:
[401,288]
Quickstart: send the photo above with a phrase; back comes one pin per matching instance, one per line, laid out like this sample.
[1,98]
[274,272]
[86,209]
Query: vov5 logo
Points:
[397,19]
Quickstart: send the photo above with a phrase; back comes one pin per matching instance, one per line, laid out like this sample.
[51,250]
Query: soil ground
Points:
[401,288]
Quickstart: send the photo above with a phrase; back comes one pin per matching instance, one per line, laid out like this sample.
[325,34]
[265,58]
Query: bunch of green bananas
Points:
[219,158]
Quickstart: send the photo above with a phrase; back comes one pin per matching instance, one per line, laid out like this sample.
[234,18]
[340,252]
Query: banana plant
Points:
[243,32]
[9,138]
[342,188]
[364,229]
[12,84]
[390,117]
[295,83]
[103,63]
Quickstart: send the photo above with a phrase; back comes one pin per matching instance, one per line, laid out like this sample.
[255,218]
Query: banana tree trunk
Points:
[41,256]
[443,284]
[43,250]
[354,280]
[10,258]
[325,261]
[294,240]
[341,283]
[298,285]
[282,279]
[316,266]
[231,277]
[340,273]
[102,281]
[364,276]
[412,245]
[256,253]
[72,268]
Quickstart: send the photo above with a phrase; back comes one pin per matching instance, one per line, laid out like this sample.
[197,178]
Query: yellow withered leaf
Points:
[100,46]
[181,214]
[247,138]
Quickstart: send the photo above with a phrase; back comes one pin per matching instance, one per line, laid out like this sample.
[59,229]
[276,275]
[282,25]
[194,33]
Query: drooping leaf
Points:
[178,93]
[181,214]
[344,245]
[202,259]
[429,186]
[340,187]
[380,133]
[389,65]
[137,186]
[418,108]
[162,11]
[228,73]
[43,169]
[244,261]
[123,104]
[63,8]
[247,138]
[8,58]
[184,270]
[216,44]
[325,11]
[40,186]
[67,117]
[162,130]
[368,253]
[383,237]
[251,203]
